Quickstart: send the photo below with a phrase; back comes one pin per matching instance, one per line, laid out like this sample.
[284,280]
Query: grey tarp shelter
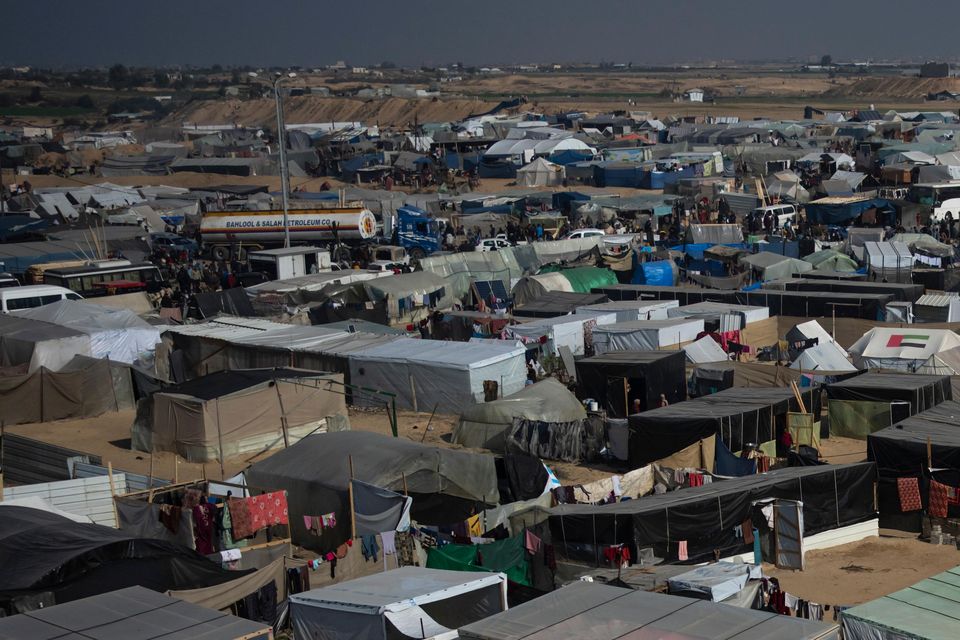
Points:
[602,612]
[488,424]
[39,344]
[134,612]
[409,602]
[445,484]
[230,413]
[927,610]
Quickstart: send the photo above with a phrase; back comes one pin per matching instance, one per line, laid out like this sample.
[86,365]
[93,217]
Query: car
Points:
[32,296]
[174,243]
[584,233]
[492,244]
[8,280]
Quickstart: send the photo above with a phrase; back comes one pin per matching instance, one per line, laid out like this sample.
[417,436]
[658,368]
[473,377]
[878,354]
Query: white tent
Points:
[812,329]
[705,350]
[39,344]
[714,310]
[645,335]
[450,375]
[541,173]
[825,357]
[903,349]
[630,310]
[407,602]
[561,331]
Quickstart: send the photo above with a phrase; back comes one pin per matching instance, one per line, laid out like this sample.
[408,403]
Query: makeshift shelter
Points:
[705,350]
[582,609]
[888,261]
[410,602]
[827,358]
[927,610]
[117,334]
[772,266]
[557,303]
[706,517]
[739,416]
[550,334]
[127,613]
[541,173]
[83,388]
[447,375]
[576,280]
[830,260]
[715,233]
[873,401]
[902,349]
[945,363]
[617,379]
[811,330]
[714,582]
[641,335]
[446,485]
[488,424]
[713,312]
[39,344]
[630,310]
[49,559]
[238,412]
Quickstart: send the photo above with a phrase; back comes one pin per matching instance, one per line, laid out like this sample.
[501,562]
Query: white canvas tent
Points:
[407,602]
[825,357]
[561,331]
[630,310]
[541,173]
[39,344]
[810,330]
[645,335]
[888,261]
[714,310]
[704,351]
[903,349]
[450,375]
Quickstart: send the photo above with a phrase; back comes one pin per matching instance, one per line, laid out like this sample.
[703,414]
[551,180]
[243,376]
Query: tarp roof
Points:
[928,609]
[224,383]
[902,448]
[592,610]
[705,350]
[908,344]
[128,613]
[825,357]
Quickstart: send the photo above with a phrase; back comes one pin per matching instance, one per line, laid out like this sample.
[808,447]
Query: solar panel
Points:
[493,292]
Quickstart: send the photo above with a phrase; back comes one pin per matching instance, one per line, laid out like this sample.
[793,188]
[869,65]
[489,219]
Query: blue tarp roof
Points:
[841,213]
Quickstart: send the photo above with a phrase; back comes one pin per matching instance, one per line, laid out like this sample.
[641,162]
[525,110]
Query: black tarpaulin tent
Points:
[557,303]
[738,416]
[684,295]
[617,378]
[899,291]
[446,485]
[833,496]
[44,552]
[816,304]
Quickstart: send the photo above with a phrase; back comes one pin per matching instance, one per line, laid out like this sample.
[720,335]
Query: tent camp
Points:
[903,349]
[127,613]
[231,413]
[550,334]
[927,610]
[629,310]
[444,483]
[738,416]
[447,375]
[487,424]
[873,401]
[410,602]
[541,173]
[82,388]
[117,334]
[767,265]
[641,335]
[576,280]
[703,516]
[43,554]
[583,609]
[617,379]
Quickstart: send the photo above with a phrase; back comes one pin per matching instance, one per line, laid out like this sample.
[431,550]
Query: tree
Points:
[85,102]
[826,61]
[118,76]
[35,95]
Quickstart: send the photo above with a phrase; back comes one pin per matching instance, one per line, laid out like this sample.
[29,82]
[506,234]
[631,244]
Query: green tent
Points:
[830,260]
[508,556]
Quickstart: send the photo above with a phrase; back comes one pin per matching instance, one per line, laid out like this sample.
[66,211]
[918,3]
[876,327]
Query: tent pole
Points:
[223,476]
[393,417]
[353,513]
[113,493]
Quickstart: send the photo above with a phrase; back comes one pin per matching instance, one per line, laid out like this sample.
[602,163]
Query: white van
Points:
[782,213]
[952,205]
[36,295]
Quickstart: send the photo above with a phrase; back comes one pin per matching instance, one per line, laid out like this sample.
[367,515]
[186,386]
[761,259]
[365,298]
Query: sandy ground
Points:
[862,571]
[837,450]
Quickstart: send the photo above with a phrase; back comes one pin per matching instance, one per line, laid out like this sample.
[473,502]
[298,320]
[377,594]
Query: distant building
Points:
[935,70]
[693,95]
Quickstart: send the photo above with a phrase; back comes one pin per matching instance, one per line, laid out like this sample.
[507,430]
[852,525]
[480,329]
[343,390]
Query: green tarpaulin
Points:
[507,556]
[858,418]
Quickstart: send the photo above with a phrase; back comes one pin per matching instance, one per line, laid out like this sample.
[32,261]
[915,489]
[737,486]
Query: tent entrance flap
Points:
[788,534]
[618,390]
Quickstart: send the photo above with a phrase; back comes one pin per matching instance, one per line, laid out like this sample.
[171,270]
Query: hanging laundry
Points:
[369,547]
[791,602]
[617,555]
[757,555]
[909,491]
[170,517]
[531,542]
[308,522]
[939,498]
[682,550]
[328,520]
[816,611]
[249,515]
[203,514]
[747,528]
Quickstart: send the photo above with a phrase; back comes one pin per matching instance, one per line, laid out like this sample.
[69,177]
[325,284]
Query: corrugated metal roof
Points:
[937,299]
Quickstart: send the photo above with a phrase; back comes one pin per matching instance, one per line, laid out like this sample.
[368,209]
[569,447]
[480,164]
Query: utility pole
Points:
[284,169]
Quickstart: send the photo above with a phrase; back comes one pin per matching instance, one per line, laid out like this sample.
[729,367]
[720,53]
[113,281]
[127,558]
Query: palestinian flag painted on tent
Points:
[905,340]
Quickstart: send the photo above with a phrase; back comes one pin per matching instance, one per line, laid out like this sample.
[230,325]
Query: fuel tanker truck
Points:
[228,234]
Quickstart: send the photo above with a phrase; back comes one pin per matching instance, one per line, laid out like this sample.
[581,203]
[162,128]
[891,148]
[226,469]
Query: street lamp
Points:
[284,169]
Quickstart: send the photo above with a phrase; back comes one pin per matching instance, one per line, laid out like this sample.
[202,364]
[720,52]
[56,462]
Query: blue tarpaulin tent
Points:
[660,273]
[835,211]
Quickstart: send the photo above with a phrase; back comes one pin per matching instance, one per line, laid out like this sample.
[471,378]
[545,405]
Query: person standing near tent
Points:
[662,402]
[539,232]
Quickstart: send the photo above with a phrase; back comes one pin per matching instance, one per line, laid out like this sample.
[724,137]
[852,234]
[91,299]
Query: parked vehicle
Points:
[174,243]
[492,244]
[584,233]
[35,295]
[8,280]
[104,277]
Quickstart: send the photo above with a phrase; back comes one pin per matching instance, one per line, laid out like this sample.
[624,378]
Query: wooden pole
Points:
[113,494]
[413,394]
[150,480]
[2,427]
[176,469]
[626,400]
[353,515]
[929,453]
[403,477]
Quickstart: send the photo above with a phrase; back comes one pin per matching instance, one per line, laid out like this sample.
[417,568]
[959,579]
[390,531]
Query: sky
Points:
[312,33]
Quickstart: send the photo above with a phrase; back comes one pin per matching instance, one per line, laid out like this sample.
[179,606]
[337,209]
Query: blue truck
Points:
[417,232]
